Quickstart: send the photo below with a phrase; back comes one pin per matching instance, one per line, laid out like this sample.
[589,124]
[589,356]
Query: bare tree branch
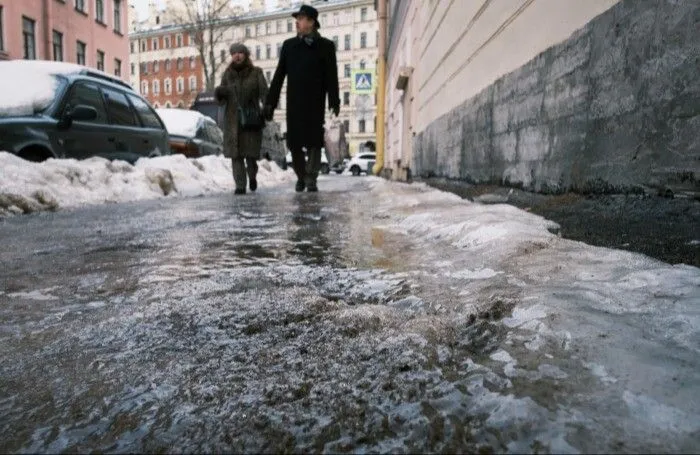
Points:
[206,21]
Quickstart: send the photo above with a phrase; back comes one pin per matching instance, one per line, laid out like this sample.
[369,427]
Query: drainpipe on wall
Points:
[381,84]
[48,34]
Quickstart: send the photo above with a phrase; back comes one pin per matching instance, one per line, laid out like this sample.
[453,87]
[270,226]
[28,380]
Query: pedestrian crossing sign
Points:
[362,82]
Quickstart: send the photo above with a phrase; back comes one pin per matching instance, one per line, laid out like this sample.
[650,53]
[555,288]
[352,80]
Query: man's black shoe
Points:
[300,186]
[253,184]
[239,191]
[311,187]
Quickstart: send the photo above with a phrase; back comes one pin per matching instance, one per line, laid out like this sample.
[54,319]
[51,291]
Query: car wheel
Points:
[35,154]
[325,169]
[355,170]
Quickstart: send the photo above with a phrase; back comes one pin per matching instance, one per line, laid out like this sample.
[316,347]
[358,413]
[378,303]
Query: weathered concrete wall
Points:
[614,107]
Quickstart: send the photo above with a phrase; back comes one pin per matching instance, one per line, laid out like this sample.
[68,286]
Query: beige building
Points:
[352,24]
[444,53]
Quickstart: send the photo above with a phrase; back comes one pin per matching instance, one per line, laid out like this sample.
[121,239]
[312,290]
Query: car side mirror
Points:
[81,113]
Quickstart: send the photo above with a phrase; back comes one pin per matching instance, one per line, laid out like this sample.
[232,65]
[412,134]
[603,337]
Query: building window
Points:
[193,63]
[335,41]
[143,45]
[178,40]
[346,98]
[361,126]
[166,42]
[363,40]
[144,87]
[180,64]
[133,69]
[268,28]
[131,47]
[100,60]
[375,124]
[376,39]
[118,15]
[258,28]
[2,40]
[348,42]
[257,52]
[192,40]
[279,26]
[290,28]
[167,86]
[363,14]
[268,51]
[348,71]
[247,32]
[154,44]
[335,18]
[143,69]
[156,87]
[100,11]
[156,66]
[193,83]
[168,65]
[80,5]
[346,126]
[279,49]
[57,46]
[180,82]
[29,38]
[117,67]
[81,50]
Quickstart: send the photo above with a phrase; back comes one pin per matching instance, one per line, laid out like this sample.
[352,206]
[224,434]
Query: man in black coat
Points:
[308,62]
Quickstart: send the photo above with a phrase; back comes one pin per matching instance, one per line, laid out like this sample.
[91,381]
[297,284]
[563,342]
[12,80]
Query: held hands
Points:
[268,112]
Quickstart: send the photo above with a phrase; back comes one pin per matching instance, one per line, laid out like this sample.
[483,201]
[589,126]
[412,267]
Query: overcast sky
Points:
[142,5]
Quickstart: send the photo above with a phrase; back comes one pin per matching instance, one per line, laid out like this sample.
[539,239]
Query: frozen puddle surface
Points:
[282,323]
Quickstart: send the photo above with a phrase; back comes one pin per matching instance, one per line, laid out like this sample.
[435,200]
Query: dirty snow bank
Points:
[27,187]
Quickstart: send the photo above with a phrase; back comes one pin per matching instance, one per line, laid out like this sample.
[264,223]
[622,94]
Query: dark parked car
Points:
[206,103]
[191,133]
[63,110]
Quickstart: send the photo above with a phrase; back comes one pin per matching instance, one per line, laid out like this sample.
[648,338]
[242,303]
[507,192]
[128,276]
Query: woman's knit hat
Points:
[239,47]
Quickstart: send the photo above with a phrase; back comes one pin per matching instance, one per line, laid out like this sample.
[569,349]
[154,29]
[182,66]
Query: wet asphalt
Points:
[268,322]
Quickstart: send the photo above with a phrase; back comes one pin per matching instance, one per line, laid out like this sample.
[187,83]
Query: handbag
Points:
[250,117]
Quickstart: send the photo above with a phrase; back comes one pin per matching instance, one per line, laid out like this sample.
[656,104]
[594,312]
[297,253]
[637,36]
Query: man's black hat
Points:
[308,11]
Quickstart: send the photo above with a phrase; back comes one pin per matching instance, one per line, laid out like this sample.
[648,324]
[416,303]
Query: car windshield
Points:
[26,93]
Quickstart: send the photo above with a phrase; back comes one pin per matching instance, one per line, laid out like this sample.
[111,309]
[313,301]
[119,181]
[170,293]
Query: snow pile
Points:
[180,122]
[27,187]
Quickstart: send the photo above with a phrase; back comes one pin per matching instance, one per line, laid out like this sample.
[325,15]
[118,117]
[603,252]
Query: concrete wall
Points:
[611,107]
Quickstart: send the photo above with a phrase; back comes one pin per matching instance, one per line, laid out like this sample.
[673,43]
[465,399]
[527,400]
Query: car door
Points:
[152,129]
[124,128]
[84,139]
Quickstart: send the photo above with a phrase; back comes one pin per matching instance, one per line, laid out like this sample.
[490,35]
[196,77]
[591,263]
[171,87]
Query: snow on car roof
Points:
[180,122]
[29,86]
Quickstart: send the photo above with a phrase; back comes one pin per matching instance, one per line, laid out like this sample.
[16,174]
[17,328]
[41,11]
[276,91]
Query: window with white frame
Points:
[156,66]
[117,67]
[167,86]
[156,86]
[193,83]
[268,28]
[117,15]
[2,39]
[193,63]
[144,87]
[100,60]
[100,11]
[361,125]
[178,40]
[363,40]
[154,44]
[180,84]
[348,71]
[166,42]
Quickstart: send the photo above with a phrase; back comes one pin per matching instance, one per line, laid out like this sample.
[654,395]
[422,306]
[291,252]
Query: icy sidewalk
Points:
[602,339]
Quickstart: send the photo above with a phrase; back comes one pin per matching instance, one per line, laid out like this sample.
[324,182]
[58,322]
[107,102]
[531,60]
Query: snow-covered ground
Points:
[27,187]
